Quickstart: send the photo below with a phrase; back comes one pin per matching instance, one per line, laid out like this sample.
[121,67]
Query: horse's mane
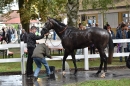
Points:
[62,24]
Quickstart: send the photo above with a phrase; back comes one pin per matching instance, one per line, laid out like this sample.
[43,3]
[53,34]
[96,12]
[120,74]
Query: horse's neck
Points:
[59,32]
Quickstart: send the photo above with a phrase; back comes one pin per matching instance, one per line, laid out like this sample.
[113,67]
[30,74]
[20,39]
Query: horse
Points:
[72,38]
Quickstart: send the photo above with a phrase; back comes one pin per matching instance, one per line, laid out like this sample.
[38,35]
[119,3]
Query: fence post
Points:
[86,65]
[22,57]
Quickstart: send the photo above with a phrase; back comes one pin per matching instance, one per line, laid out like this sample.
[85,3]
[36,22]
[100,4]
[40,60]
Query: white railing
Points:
[86,55]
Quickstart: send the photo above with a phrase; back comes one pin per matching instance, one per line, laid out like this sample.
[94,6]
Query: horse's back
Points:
[100,36]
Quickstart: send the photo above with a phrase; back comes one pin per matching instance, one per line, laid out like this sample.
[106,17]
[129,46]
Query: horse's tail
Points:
[111,50]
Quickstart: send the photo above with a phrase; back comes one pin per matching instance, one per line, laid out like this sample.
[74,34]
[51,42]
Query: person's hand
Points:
[37,42]
[46,34]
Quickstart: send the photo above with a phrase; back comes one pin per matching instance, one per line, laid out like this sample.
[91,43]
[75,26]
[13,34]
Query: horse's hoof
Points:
[75,73]
[63,73]
[103,75]
[98,72]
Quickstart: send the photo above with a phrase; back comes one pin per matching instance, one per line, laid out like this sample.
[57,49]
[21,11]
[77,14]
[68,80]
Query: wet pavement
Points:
[21,80]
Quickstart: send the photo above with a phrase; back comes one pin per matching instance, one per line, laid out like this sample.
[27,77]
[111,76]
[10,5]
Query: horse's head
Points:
[54,24]
[47,26]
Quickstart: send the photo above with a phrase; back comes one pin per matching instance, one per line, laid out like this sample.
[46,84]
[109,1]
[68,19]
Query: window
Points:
[83,17]
[125,17]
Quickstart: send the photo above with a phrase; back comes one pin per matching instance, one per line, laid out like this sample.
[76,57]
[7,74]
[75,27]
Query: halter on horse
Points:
[72,38]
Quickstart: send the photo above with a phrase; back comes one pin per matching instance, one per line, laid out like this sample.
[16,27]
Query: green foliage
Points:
[97,4]
[15,26]
[5,4]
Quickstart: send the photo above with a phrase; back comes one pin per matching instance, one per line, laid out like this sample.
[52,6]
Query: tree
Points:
[5,4]
[72,11]
[32,9]
[24,14]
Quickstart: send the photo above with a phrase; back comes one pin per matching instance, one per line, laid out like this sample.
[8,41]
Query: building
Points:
[114,16]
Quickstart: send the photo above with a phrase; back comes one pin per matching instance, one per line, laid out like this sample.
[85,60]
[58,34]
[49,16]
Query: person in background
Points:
[105,26]
[89,25]
[19,32]
[9,32]
[80,51]
[96,25]
[122,34]
[110,31]
[3,36]
[12,33]
[128,44]
[54,35]
[92,47]
[81,27]
[23,36]
[39,54]
[31,44]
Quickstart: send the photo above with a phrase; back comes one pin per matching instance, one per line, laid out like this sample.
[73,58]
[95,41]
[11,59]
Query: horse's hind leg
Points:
[74,62]
[100,67]
[63,62]
[103,60]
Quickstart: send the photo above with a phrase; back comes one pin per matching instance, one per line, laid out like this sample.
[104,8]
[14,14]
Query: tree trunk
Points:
[25,24]
[72,11]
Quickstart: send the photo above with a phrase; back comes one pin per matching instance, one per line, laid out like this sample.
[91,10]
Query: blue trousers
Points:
[125,50]
[54,35]
[39,62]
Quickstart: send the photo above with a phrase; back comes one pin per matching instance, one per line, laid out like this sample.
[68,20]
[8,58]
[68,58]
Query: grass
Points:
[16,66]
[113,82]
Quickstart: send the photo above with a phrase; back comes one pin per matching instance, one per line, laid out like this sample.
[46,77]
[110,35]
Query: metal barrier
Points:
[86,55]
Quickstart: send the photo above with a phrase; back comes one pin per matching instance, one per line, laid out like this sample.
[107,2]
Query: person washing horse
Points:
[39,54]
[31,44]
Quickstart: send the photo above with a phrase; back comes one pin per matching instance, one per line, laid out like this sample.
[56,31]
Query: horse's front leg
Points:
[63,62]
[74,62]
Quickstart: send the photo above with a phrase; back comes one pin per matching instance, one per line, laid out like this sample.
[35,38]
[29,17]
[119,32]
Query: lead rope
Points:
[51,42]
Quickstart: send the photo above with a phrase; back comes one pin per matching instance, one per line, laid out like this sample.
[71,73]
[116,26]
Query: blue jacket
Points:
[119,34]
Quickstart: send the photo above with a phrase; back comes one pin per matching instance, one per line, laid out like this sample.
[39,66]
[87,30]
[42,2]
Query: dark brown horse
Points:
[72,39]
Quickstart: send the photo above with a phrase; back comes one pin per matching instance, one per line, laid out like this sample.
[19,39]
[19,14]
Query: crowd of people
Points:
[122,32]
[8,34]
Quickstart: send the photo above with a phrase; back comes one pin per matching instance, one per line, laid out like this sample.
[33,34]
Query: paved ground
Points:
[21,80]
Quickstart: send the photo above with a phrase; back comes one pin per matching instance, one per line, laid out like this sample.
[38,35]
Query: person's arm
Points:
[117,35]
[128,34]
[21,39]
[40,37]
